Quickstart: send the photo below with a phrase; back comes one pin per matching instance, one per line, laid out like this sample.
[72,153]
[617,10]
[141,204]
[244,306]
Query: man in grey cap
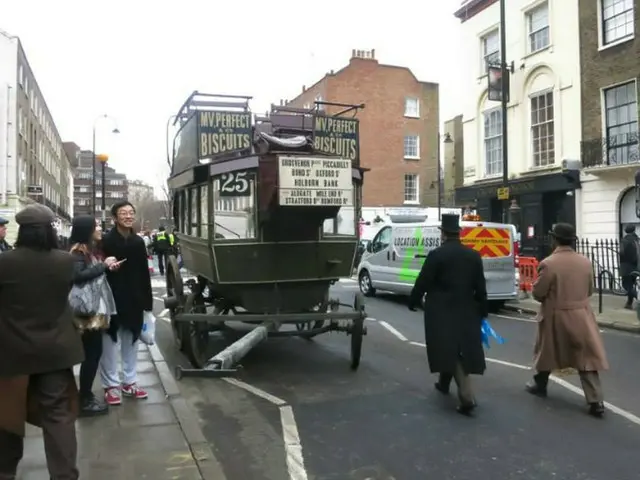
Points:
[4,246]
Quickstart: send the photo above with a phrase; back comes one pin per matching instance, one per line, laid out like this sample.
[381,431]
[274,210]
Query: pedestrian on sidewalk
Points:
[629,263]
[90,266]
[452,276]
[568,335]
[4,245]
[39,345]
[131,287]
[163,245]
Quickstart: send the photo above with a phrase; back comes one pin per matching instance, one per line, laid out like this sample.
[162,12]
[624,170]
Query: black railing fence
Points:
[604,255]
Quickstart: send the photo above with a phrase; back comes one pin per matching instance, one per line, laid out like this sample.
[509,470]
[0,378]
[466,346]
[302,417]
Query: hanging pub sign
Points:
[222,133]
[315,181]
[336,136]
[496,86]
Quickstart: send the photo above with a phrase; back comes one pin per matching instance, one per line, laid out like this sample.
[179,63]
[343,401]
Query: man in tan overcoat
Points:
[568,335]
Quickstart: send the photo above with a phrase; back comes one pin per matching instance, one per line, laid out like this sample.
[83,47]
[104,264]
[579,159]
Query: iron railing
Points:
[614,150]
[604,255]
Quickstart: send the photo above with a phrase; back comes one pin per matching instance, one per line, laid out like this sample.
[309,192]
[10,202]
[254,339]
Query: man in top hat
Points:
[452,276]
[568,335]
[4,245]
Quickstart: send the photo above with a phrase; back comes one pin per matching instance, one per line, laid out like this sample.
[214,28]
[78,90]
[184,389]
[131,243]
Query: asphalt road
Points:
[385,421]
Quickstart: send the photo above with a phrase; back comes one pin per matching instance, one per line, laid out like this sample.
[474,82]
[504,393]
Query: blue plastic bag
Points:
[488,332]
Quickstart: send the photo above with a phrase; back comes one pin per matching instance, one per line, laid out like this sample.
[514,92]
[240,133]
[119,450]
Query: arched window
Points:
[627,211]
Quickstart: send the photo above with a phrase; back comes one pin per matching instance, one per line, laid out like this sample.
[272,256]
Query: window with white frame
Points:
[490,45]
[411,188]
[320,99]
[621,120]
[617,20]
[493,142]
[411,107]
[538,27]
[412,146]
[543,143]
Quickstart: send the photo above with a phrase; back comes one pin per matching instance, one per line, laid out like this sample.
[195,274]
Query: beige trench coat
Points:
[568,335]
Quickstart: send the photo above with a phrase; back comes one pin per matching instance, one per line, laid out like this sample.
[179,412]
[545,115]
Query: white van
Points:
[394,257]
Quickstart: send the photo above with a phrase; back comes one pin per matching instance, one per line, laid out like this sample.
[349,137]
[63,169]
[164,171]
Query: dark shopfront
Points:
[544,200]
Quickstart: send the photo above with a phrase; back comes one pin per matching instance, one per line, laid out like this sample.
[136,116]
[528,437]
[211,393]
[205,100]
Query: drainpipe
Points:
[5,170]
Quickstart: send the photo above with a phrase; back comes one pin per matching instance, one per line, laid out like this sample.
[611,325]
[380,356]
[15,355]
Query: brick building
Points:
[33,164]
[610,72]
[116,183]
[398,127]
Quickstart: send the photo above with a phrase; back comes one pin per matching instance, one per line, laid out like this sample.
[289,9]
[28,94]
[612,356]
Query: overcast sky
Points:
[138,60]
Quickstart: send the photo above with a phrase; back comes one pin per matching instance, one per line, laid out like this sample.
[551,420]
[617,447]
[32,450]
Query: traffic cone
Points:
[151,268]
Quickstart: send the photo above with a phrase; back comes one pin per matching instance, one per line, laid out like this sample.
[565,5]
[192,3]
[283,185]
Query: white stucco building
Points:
[543,129]
[33,164]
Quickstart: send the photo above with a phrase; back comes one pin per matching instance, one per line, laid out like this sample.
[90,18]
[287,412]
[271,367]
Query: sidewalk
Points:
[613,315]
[158,438]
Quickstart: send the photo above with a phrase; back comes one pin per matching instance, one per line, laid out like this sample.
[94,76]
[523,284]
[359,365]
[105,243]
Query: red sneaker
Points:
[134,391]
[112,396]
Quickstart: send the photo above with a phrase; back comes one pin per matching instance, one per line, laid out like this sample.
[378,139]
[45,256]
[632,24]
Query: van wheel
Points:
[365,284]
[495,306]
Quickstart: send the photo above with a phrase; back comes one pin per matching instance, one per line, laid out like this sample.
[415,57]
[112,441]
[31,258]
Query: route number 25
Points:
[235,184]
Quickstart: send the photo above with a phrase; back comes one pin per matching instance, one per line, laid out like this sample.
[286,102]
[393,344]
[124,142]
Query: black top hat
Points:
[563,231]
[450,223]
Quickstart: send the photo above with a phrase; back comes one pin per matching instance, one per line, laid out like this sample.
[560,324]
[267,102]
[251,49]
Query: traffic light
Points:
[496,85]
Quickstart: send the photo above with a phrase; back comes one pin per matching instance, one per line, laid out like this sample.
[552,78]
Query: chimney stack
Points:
[304,88]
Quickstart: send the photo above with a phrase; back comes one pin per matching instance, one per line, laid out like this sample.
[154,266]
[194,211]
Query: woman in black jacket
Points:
[90,265]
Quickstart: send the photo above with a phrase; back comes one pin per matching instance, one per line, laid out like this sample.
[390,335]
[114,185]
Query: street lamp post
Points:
[504,71]
[447,139]
[93,163]
[103,159]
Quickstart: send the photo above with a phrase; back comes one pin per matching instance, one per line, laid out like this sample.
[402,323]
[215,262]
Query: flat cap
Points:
[3,221]
[36,214]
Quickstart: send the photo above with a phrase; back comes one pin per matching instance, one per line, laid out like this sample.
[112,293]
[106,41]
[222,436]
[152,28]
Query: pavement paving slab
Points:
[140,439]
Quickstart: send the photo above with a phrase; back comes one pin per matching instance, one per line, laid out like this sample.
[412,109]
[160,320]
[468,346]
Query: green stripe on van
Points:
[407,273]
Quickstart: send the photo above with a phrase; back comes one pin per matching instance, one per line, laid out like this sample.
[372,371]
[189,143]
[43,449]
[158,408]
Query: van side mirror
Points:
[369,247]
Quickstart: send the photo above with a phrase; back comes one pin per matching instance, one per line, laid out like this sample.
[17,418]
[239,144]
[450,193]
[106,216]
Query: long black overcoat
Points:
[453,279]
[131,283]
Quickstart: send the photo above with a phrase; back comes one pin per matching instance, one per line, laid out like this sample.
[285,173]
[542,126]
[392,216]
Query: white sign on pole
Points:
[315,181]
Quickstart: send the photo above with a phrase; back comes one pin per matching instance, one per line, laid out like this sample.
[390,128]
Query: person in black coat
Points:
[131,287]
[452,277]
[629,259]
[89,266]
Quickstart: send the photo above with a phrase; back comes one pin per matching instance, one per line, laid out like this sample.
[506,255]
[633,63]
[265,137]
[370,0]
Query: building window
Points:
[411,188]
[412,146]
[412,107]
[617,20]
[621,118]
[542,129]
[320,99]
[493,142]
[490,50]
[538,28]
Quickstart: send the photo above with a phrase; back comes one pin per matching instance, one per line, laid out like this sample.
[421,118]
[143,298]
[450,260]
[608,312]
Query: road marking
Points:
[293,448]
[158,299]
[290,434]
[393,331]
[519,319]
[371,319]
[507,364]
[256,391]
[418,344]
[164,313]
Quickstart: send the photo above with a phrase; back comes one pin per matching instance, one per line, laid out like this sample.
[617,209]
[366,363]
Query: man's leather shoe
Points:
[596,409]
[536,389]
[466,408]
[441,388]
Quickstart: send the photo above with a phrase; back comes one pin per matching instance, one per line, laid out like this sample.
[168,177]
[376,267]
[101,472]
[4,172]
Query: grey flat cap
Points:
[36,214]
